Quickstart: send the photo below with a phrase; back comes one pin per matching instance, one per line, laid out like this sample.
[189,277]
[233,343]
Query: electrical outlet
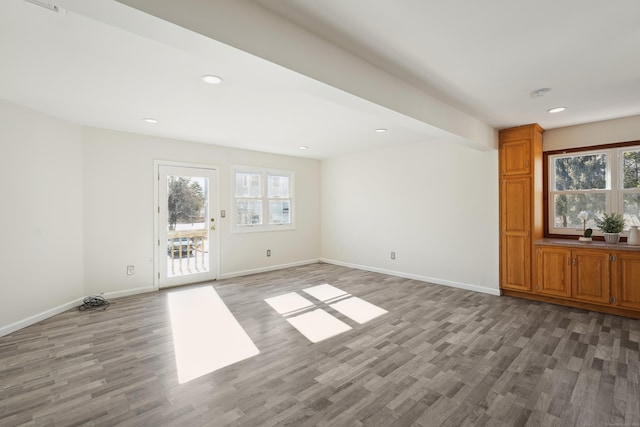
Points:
[268,252]
[131,270]
[393,255]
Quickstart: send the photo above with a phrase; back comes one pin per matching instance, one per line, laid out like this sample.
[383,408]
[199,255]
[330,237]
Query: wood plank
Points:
[440,356]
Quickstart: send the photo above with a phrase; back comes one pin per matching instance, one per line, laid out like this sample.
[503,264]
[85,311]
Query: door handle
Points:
[213,227]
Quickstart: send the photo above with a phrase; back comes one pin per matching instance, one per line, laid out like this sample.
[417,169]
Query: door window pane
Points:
[187,202]
[568,206]
[279,212]
[187,232]
[248,184]
[585,172]
[277,187]
[249,212]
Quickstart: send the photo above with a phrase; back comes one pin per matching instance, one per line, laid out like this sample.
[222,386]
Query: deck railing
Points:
[187,252]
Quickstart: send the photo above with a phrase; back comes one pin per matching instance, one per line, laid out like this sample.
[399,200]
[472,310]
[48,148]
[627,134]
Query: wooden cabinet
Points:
[583,275]
[516,240]
[626,280]
[516,157]
[554,271]
[520,204]
[590,276]
[596,276]
[601,277]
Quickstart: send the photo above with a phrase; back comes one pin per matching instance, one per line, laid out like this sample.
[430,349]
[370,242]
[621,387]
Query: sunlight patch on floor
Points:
[206,336]
[324,292]
[358,309]
[318,325]
[289,303]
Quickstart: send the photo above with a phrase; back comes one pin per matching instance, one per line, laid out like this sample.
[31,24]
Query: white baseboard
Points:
[267,269]
[466,286]
[6,330]
[128,292]
[31,320]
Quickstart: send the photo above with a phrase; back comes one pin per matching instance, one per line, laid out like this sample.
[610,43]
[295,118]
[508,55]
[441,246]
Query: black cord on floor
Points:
[93,302]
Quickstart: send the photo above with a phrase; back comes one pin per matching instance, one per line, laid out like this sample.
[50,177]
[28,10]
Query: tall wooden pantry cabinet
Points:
[521,204]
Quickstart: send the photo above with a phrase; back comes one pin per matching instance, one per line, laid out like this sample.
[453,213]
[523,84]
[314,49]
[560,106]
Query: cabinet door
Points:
[515,238]
[626,277]
[515,157]
[554,271]
[590,276]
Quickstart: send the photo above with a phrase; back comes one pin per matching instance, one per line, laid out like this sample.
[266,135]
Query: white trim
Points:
[156,216]
[129,292]
[450,283]
[31,320]
[267,269]
[265,226]
[614,191]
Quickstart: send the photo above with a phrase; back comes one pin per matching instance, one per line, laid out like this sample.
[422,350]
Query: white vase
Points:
[634,236]
[612,238]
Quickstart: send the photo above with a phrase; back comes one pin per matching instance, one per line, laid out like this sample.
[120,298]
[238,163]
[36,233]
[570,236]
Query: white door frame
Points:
[214,243]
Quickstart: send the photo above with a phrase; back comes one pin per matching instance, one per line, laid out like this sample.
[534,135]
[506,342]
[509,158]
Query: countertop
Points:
[596,244]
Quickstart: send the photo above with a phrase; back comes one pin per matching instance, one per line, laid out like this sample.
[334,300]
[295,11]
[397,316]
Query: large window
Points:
[263,199]
[595,182]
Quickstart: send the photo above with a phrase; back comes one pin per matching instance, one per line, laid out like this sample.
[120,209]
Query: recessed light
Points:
[150,120]
[212,80]
[557,110]
[303,147]
[381,130]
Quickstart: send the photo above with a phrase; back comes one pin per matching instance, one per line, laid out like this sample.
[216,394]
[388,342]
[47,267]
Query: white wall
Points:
[118,207]
[434,204]
[596,133]
[41,257]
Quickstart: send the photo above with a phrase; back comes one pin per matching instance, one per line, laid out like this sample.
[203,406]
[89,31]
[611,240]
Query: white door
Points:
[187,249]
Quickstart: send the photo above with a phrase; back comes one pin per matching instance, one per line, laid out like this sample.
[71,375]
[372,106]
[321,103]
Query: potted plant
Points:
[611,225]
[586,232]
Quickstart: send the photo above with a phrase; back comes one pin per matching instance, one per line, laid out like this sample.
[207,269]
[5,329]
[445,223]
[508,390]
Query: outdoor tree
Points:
[579,173]
[186,200]
[632,169]
[631,179]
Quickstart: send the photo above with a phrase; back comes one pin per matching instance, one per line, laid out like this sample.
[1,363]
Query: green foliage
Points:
[588,232]
[186,200]
[585,172]
[632,169]
[611,223]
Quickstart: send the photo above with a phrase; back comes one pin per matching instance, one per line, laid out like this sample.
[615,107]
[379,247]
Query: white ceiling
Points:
[486,57]
[103,64]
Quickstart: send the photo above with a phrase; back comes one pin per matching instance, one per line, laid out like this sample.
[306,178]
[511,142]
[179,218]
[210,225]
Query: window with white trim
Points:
[263,199]
[596,181]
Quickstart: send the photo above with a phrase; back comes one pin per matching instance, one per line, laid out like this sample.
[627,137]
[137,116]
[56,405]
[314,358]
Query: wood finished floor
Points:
[441,356]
